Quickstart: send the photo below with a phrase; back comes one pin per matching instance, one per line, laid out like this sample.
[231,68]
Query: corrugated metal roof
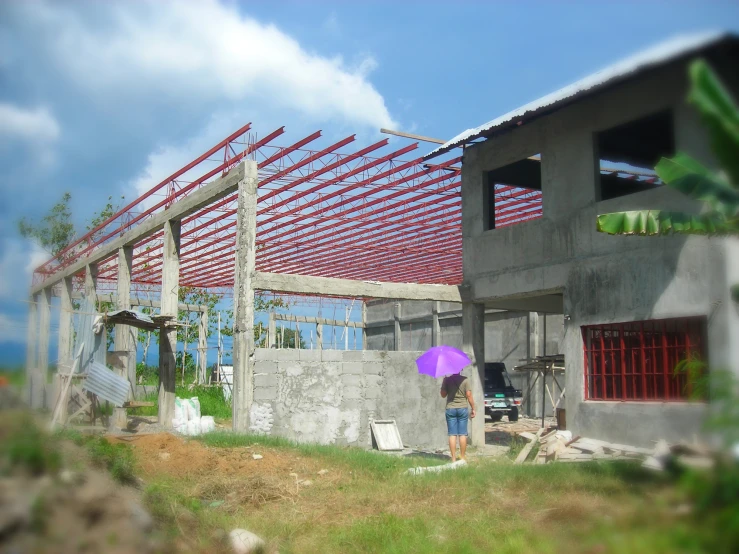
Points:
[659,54]
[106,384]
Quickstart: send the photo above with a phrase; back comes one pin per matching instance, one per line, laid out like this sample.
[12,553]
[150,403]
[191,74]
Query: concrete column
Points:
[64,344]
[66,316]
[31,346]
[124,339]
[243,339]
[397,334]
[533,409]
[364,325]
[168,335]
[319,336]
[435,327]
[44,328]
[473,344]
[203,344]
[272,331]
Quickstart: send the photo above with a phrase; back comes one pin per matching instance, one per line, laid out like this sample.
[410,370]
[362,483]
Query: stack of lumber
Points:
[555,445]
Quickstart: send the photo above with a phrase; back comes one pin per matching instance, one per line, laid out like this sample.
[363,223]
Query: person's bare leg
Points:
[453,447]
[463,446]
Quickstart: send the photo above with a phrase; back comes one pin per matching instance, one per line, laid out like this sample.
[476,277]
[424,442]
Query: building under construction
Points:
[503,218]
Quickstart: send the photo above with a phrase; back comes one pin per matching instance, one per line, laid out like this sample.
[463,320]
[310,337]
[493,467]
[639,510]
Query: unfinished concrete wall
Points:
[330,396]
[508,337]
[603,279]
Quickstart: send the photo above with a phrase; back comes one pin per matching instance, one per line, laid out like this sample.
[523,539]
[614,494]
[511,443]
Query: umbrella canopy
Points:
[441,361]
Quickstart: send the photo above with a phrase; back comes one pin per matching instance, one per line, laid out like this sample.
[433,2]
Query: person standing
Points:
[459,409]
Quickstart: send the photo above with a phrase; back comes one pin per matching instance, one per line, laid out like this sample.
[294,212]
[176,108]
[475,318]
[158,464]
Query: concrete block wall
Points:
[507,338]
[330,396]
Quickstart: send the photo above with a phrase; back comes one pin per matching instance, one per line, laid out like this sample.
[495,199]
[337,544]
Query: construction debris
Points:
[436,469]
[555,445]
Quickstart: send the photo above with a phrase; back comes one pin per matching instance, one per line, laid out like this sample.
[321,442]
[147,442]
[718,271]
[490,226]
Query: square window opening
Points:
[636,361]
[629,152]
[513,193]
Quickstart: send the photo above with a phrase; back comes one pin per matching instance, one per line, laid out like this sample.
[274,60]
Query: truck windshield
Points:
[495,377]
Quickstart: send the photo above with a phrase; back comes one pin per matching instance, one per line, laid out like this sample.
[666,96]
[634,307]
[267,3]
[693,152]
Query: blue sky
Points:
[106,98]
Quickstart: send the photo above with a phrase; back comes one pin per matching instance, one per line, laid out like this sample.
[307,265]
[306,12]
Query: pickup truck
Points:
[501,398]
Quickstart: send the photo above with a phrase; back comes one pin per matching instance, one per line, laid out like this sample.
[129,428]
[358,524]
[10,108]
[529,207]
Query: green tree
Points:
[55,230]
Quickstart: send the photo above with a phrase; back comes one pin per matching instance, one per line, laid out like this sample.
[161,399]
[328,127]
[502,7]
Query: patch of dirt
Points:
[501,432]
[165,453]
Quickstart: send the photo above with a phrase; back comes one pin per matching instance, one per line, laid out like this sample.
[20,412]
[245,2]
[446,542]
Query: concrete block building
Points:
[632,306]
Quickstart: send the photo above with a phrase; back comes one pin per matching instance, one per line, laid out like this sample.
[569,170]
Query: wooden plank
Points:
[528,436]
[138,404]
[521,458]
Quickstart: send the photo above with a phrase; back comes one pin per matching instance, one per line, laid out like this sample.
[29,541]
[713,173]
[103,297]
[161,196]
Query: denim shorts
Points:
[456,421]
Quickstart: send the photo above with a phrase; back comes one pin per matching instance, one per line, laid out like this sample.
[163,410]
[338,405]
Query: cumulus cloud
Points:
[18,259]
[27,124]
[207,50]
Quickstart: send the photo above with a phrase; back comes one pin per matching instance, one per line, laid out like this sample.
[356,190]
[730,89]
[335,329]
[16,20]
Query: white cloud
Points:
[27,125]
[18,259]
[209,51]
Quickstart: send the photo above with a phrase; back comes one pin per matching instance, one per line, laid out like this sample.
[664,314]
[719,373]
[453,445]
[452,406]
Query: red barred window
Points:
[636,361]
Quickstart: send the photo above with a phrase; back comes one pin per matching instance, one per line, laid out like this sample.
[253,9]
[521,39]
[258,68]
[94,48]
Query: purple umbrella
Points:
[441,361]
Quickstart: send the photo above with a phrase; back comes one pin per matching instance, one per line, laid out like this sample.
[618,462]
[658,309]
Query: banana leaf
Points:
[720,114]
[659,222]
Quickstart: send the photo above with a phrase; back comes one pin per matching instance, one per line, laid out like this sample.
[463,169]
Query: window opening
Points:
[636,361]
[629,152]
[513,193]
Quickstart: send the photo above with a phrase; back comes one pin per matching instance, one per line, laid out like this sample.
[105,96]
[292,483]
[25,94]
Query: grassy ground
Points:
[370,505]
[198,490]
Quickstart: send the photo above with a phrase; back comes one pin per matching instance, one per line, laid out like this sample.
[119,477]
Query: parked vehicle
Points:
[501,398]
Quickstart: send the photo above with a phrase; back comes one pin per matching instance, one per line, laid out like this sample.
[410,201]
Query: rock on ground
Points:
[245,542]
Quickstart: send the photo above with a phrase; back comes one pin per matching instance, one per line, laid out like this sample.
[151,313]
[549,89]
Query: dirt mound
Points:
[164,453]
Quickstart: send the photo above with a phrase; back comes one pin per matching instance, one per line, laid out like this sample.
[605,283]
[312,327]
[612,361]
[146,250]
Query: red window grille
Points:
[636,361]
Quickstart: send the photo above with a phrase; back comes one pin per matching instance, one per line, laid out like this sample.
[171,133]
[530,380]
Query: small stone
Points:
[257,456]
[306,483]
[69,477]
[164,456]
[323,472]
[245,542]
[219,535]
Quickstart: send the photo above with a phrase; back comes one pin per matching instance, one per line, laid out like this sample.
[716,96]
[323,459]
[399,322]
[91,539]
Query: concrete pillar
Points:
[435,327]
[168,335]
[243,339]
[364,325]
[397,334]
[272,331]
[203,344]
[534,400]
[319,336]
[66,316]
[31,346]
[91,281]
[125,339]
[473,344]
[41,376]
